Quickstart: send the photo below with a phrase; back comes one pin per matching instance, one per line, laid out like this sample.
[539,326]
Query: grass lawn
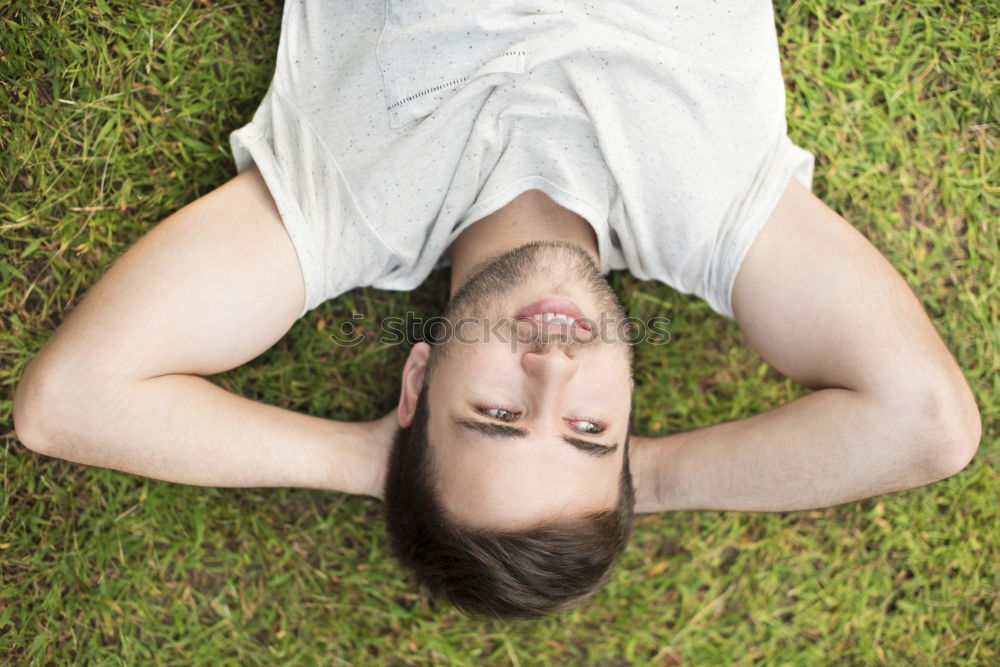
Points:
[113,115]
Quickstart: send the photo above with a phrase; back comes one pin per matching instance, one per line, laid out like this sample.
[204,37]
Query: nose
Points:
[550,361]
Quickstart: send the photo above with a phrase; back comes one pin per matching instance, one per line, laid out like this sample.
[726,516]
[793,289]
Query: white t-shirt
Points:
[389,127]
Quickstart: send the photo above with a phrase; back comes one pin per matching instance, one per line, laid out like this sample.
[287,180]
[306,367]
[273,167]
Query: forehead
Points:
[483,484]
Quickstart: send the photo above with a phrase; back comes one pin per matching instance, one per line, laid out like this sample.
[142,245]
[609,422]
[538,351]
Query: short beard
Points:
[480,295]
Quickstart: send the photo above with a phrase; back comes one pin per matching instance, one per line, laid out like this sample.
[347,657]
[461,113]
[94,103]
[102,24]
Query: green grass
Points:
[112,117]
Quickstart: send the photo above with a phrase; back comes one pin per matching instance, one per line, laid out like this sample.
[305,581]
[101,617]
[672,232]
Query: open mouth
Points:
[554,316]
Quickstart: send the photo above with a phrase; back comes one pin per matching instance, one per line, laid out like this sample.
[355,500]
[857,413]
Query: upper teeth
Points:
[554,317]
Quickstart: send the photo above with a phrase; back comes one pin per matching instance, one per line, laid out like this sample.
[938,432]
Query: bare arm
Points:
[891,409]
[119,383]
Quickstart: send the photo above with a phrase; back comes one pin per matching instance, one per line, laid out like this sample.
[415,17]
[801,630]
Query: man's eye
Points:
[587,426]
[501,414]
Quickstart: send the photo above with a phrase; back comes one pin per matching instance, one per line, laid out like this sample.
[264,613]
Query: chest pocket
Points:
[429,49]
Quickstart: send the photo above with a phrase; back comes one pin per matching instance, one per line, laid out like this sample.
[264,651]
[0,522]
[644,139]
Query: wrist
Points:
[654,465]
[355,456]
[381,434]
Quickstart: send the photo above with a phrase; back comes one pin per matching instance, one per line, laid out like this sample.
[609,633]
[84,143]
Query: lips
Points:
[554,316]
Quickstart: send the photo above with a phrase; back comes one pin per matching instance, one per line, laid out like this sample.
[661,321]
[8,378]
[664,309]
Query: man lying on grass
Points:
[509,471]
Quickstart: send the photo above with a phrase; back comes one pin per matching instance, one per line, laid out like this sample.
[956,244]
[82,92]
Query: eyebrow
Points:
[493,430]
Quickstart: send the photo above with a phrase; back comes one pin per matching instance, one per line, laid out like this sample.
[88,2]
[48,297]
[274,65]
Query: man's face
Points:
[529,418]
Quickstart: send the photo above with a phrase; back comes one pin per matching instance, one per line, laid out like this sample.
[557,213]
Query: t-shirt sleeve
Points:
[319,212]
[734,241]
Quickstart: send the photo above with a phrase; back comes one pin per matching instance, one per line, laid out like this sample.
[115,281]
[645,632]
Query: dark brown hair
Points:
[505,574]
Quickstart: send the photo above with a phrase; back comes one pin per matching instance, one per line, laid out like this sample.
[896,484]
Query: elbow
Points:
[959,447]
[28,410]
[26,423]
[952,429]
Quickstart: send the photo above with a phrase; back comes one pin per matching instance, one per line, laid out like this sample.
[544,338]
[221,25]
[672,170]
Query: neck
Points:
[532,216]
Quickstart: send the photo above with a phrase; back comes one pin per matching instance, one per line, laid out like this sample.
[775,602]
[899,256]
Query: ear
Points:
[413,380]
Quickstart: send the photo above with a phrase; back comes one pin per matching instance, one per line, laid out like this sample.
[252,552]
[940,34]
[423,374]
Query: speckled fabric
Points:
[391,126]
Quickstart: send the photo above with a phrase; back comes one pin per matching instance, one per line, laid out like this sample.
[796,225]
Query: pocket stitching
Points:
[449,84]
